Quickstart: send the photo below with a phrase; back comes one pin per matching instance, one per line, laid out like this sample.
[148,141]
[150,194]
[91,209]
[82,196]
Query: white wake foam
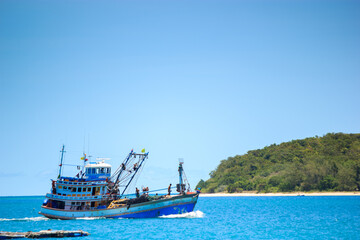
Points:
[90,218]
[196,214]
[25,219]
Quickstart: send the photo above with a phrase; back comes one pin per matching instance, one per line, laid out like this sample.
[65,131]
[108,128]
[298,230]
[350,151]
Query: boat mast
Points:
[121,170]
[180,174]
[181,186]
[137,169]
[61,161]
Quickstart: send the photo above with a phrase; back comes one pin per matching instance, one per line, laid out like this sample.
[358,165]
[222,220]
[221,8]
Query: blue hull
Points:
[161,212]
[174,205]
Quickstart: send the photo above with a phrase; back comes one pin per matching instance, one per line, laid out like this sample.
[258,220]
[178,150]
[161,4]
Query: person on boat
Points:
[137,192]
[169,189]
[53,187]
[135,166]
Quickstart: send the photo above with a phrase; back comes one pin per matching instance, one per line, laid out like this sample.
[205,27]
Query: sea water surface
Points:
[298,217]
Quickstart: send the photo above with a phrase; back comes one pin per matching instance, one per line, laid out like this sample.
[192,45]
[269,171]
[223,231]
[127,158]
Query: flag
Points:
[143,150]
[82,158]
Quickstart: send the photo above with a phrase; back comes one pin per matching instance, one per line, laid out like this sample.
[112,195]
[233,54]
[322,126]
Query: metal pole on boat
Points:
[180,185]
[61,161]
[121,170]
[181,161]
[142,160]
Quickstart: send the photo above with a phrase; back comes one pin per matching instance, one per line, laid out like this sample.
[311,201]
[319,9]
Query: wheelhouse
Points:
[97,171]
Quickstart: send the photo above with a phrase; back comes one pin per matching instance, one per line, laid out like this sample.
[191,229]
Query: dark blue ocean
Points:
[214,218]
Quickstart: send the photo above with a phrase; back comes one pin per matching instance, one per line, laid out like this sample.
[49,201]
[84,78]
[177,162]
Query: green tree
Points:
[327,163]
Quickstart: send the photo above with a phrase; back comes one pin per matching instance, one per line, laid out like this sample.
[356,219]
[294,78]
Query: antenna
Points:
[61,161]
[89,143]
[102,159]
[84,144]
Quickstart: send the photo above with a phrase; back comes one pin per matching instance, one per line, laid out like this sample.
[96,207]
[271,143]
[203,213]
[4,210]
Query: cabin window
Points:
[108,170]
[79,189]
[93,170]
[58,204]
[73,189]
[65,187]
[84,189]
[102,170]
[89,189]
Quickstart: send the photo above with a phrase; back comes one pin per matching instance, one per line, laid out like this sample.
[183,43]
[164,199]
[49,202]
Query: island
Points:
[330,163]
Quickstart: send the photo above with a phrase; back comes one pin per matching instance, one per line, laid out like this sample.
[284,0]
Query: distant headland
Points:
[310,166]
[280,194]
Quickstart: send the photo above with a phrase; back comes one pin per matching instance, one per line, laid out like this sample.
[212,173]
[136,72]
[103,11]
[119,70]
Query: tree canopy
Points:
[328,163]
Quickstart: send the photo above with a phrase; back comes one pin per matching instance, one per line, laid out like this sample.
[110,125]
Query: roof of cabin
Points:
[97,164]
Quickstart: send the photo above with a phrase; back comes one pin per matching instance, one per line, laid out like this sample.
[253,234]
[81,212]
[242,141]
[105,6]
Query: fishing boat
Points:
[95,192]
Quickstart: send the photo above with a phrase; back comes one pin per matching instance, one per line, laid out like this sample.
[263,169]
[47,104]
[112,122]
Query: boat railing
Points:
[146,192]
[54,196]
[82,183]
[101,197]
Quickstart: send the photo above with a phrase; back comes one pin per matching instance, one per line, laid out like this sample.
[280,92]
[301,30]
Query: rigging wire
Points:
[136,178]
[186,181]
[126,175]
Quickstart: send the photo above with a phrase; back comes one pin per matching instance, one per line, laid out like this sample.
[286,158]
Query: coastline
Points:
[254,194]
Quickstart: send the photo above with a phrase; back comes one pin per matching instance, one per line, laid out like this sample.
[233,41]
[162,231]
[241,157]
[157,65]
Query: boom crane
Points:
[125,174]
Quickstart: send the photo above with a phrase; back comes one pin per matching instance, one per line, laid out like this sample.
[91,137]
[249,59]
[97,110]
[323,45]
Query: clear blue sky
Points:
[199,80]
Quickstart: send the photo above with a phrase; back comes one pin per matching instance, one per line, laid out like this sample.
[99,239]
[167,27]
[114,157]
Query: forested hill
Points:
[328,163]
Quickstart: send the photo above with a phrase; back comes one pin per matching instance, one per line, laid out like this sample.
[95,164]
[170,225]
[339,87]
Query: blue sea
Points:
[299,217]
